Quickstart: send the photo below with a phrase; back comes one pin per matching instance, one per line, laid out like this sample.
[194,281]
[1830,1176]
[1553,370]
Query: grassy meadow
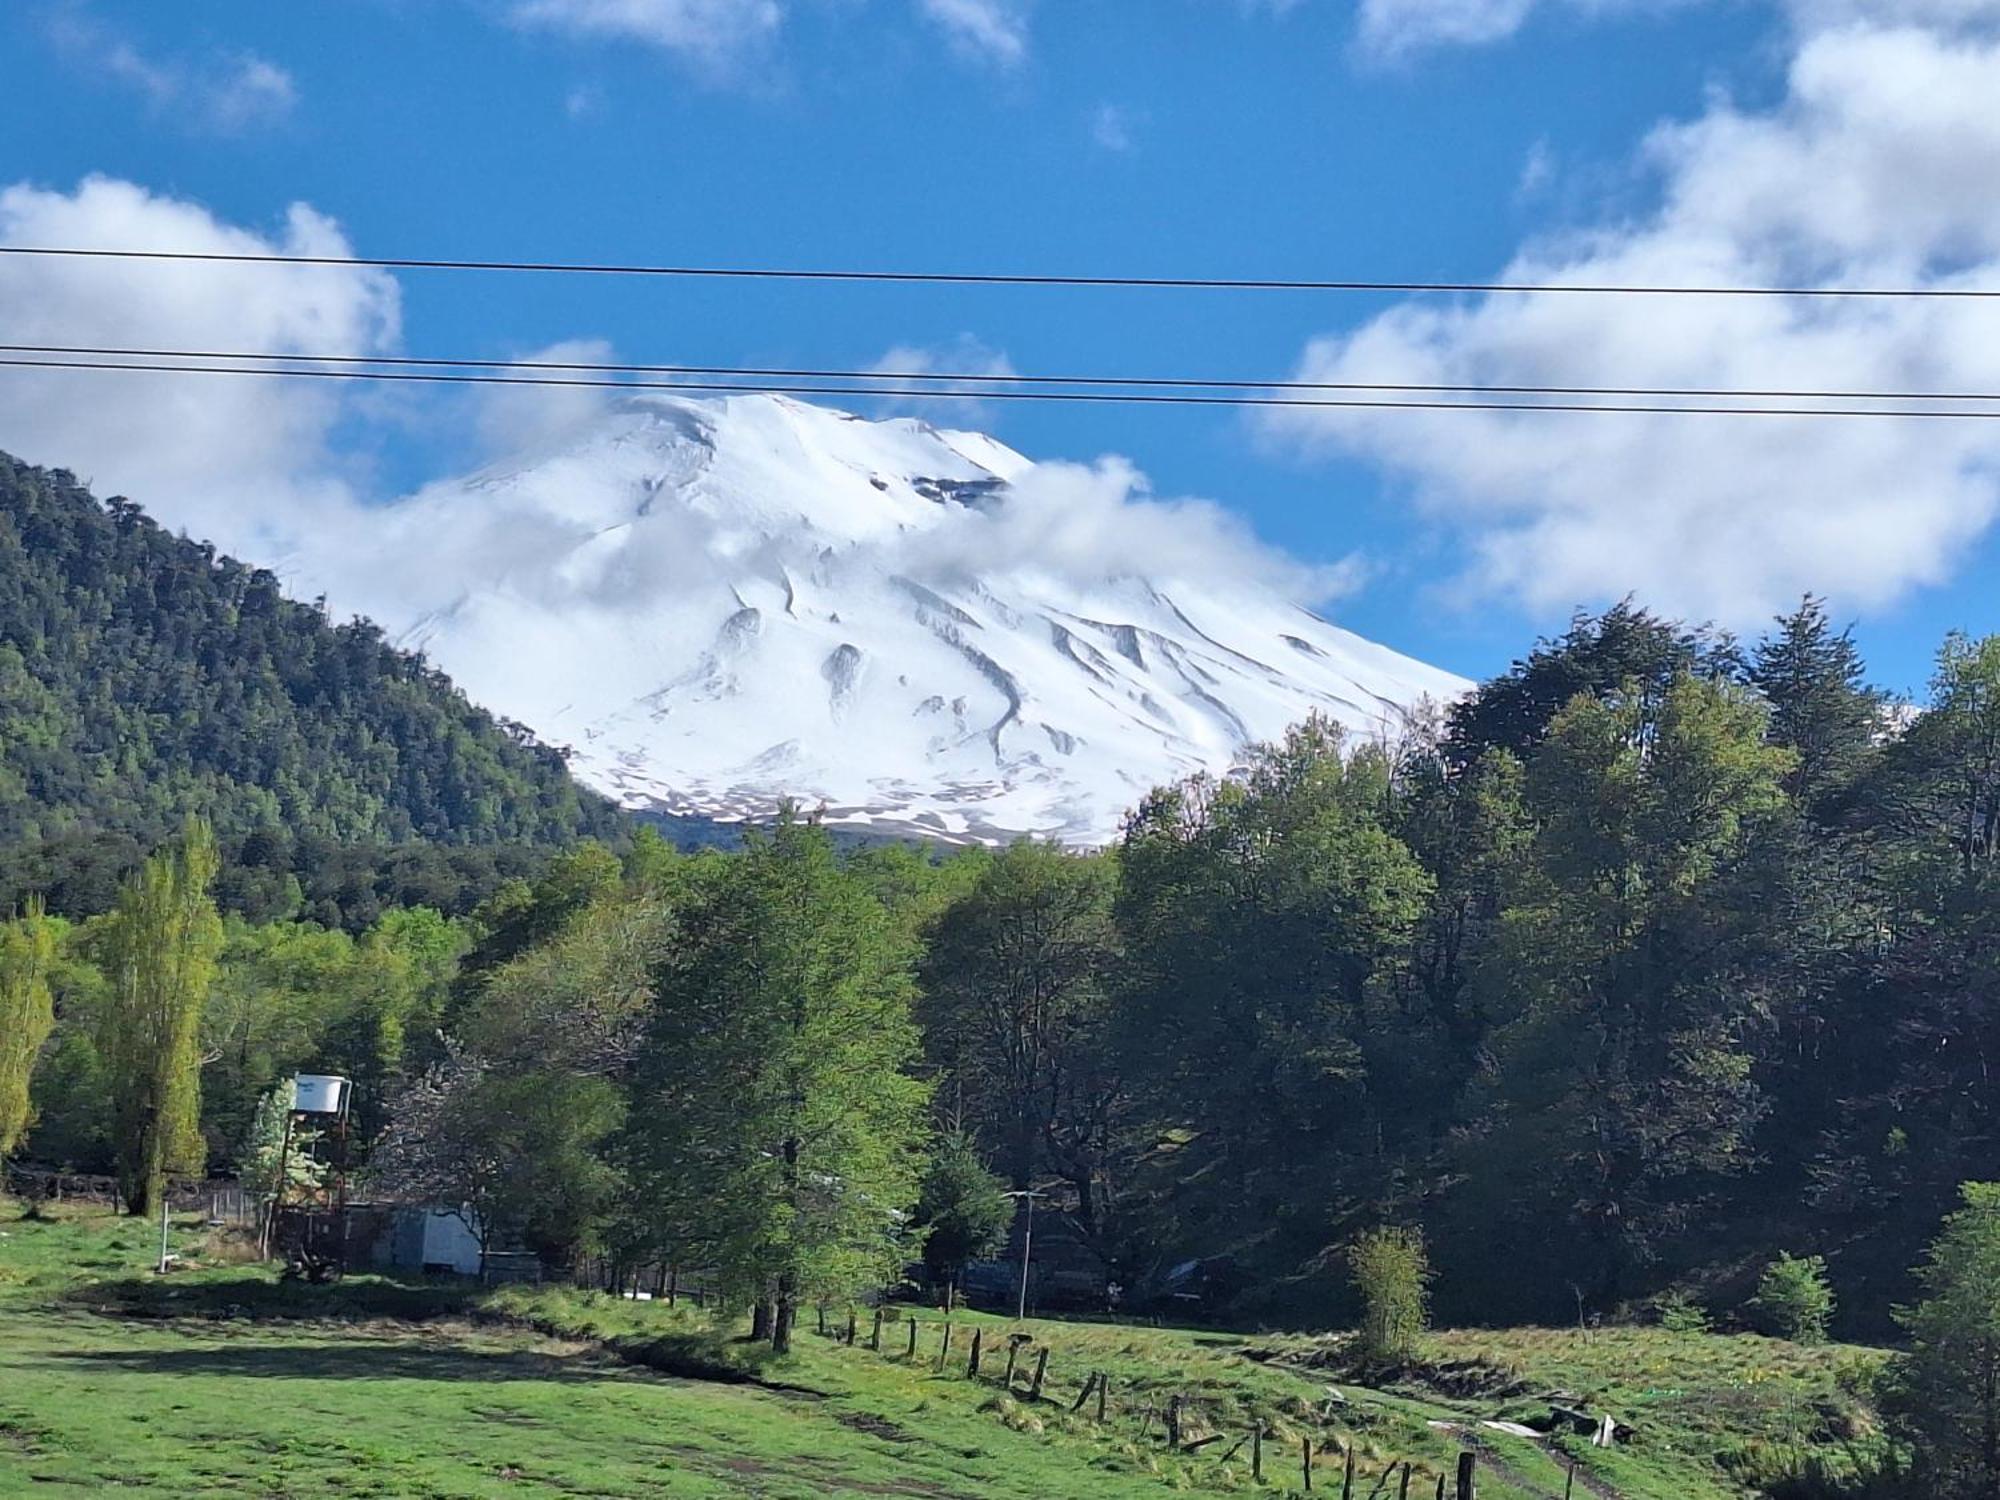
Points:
[219,1380]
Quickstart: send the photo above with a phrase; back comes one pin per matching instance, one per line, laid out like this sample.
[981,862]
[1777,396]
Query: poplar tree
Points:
[27,1015]
[162,950]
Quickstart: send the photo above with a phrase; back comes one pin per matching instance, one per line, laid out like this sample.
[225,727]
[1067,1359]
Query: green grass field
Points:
[218,1380]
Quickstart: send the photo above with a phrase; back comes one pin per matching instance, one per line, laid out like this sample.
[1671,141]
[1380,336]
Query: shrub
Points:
[1392,1272]
[1678,1312]
[1793,1299]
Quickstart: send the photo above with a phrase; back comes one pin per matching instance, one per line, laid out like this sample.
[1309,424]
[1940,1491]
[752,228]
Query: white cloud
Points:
[1391,28]
[715,32]
[244,461]
[1111,127]
[993,30]
[1396,28]
[929,365]
[1080,524]
[510,418]
[220,91]
[1875,169]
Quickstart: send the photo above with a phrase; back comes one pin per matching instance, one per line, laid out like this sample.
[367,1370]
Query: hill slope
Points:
[721,603]
[142,676]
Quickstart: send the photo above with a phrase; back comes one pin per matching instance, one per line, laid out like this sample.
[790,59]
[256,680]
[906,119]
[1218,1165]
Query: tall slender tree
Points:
[775,1123]
[1821,707]
[27,1015]
[162,947]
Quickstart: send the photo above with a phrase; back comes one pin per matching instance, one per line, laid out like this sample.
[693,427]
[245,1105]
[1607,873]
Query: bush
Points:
[1392,1272]
[1793,1299]
[1678,1312]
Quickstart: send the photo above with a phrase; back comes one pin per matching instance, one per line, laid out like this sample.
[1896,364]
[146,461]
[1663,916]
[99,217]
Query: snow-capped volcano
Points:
[718,604]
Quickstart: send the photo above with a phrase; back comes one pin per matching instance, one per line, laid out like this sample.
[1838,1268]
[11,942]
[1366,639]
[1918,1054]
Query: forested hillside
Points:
[142,676]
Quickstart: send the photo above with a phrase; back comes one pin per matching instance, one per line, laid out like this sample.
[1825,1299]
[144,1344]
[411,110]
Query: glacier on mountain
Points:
[717,604]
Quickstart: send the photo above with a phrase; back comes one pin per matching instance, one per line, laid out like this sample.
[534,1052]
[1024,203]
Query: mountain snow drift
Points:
[719,604]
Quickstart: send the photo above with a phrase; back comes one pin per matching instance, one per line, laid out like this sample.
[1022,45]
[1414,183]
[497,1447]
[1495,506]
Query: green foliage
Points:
[1016,1011]
[160,950]
[1262,923]
[266,1152]
[1944,1394]
[142,677]
[776,1130]
[1392,1273]
[27,1016]
[1794,1300]
[1678,1312]
[1821,708]
[962,1210]
[1626,969]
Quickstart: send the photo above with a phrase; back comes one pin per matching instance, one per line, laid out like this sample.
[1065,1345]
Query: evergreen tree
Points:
[1945,1393]
[1625,651]
[1821,708]
[962,1211]
[27,1016]
[161,951]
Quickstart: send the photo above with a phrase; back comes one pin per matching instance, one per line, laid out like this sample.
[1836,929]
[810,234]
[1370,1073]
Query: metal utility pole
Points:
[1028,1196]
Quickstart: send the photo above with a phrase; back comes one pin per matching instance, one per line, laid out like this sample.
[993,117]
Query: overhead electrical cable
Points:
[1141,398]
[993,278]
[869,380]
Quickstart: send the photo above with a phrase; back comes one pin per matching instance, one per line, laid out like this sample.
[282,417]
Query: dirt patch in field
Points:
[874,1426]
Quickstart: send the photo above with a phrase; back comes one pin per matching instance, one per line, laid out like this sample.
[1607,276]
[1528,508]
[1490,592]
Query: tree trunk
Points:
[786,1314]
[761,1319]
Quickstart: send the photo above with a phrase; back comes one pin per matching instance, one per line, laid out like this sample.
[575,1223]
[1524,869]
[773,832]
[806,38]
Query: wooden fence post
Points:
[850,1328]
[1103,1389]
[1467,1461]
[875,1338]
[1084,1394]
[1041,1369]
[1013,1353]
[972,1359]
[1569,1484]
[1347,1474]
[1174,1421]
[1257,1453]
[1403,1489]
[944,1347]
[913,1338]
[821,1310]
[1306,1461]
[1440,1493]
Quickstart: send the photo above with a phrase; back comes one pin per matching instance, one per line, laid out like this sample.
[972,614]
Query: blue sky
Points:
[1424,139]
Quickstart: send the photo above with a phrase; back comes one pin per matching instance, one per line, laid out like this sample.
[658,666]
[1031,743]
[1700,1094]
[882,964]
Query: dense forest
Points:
[1651,959]
[143,677]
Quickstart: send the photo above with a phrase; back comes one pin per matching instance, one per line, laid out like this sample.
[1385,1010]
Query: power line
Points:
[754,372]
[1121,398]
[991,278]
